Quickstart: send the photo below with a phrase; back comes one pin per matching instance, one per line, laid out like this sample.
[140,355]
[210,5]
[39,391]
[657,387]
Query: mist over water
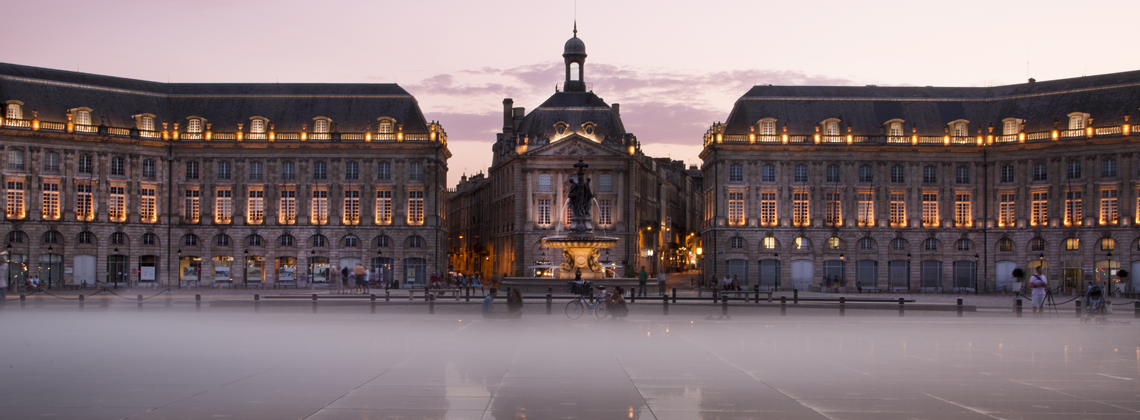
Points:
[342,361]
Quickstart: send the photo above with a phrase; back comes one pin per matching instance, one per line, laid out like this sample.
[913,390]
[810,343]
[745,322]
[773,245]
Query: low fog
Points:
[344,361]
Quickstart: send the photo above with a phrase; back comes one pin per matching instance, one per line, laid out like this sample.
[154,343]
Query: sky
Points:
[676,68]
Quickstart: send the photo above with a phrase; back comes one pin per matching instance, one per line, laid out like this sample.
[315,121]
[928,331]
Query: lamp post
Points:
[908,272]
[245,270]
[8,275]
[179,263]
[976,258]
[1108,279]
[776,281]
[118,273]
[50,261]
[842,270]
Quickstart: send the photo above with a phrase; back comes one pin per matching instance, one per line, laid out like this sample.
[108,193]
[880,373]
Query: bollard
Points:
[198,302]
[169,299]
[665,304]
[549,290]
[81,302]
[372,302]
[140,302]
[468,292]
[795,296]
[549,302]
[959,307]
[724,306]
[842,306]
[314,303]
[902,307]
[427,296]
[783,306]
[257,302]
[674,295]
[632,294]
[1136,309]
[757,290]
[1017,308]
[431,306]
[386,296]
[1078,308]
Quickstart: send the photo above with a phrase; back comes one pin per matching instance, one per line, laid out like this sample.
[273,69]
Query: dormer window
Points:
[194,125]
[560,128]
[1078,120]
[386,126]
[831,127]
[83,116]
[144,122]
[768,127]
[589,128]
[257,125]
[321,125]
[1011,126]
[960,128]
[895,129]
[15,110]
[575,72]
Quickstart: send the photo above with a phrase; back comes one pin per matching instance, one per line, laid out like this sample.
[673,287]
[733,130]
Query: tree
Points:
[1019,273]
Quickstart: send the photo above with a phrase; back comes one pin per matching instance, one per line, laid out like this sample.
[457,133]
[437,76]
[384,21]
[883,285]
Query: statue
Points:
[580,196]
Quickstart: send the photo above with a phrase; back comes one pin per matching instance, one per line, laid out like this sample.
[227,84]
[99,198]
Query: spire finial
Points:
[575,28]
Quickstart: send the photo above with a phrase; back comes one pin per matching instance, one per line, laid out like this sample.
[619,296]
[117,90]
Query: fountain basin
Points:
[580,254]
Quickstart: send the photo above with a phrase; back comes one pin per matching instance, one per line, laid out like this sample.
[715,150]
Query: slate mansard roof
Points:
[574,109]
[114,100]
[1107,98]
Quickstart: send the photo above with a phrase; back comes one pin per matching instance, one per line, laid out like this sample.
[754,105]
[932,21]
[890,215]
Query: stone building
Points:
[926,188]
[125,181]
[523,196]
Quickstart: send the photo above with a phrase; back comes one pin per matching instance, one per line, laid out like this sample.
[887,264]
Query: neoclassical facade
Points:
[926,188]
[499,219]
[123,181]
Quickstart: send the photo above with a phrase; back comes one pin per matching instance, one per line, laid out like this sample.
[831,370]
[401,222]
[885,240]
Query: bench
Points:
[219,283]
[746,294]
[871,290]
[437,292]
[285,284]
[257,283]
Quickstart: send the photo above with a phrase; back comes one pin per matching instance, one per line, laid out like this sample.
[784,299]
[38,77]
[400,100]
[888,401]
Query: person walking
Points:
[489,304]
[1038,285]
[642,278]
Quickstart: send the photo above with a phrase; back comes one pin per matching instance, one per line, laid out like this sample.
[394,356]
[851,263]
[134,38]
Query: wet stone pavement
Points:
[343,362]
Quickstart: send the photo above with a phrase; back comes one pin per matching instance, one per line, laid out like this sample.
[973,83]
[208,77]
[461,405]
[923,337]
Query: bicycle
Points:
[576,307]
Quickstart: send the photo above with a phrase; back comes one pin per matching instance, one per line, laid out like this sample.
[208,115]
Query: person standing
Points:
[361,278]
[489,304]
[642,278]
[514,304]
[344,280]
[1038,285]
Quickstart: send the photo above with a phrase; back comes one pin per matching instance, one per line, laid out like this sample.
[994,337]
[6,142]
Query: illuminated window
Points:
[50,205]
[287,207]
[930,209]
[866,209]
[930,244]
[148,205]
[351,206]
[384,170]
[1072,244]
[1005,245]
[895,129]
[960,129]
[1074,211]
[415,207]
[898,174]
[605,213]
[1077,120]
[963,210]
[768,173]
[1107,244]
[321,125]
[735,208]
[1040,172]
[736,242]
[898,244]
[255,206]
[194,126]
[866,173]
[84,204]
[834,209]
[833,243]
[223,206]
[800,206]
[898,209]
[383,207]
[15,111]
[319,206]
[831,128]
[385,127]
[735,172]
[802,243]
[769,242]
[767,128]
[146,123]
[1010,127]
[768,208]
[1039,208]
[117,207]
[16,208]
[1108,199]
[1006,210]
[256,126]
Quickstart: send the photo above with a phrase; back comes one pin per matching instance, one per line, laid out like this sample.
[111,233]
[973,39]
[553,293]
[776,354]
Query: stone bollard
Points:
[756,289]
[1078,308]
[140,302]
[372,302]
[665,304]
[431,306]
[549,302]
[632,294]
[1136,309]
[724,306]
[902,307]
[81,302]
[23,300]
[842,306]
[314,303]
[960,308]
[198,302]
[1017,308]
[257,302]
[795,296]
[783,306]
[674,295]
[169,299]
[468,293]
[386,295]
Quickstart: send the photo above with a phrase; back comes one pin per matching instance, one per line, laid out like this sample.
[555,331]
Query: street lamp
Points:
[50,261]
[842,270]
[908,272]
[8,275]
[976,258]
[245,270]
[1108,279]
[118,274]
[179,262]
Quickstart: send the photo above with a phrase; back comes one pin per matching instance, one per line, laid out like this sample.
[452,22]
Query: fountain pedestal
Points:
[580,247]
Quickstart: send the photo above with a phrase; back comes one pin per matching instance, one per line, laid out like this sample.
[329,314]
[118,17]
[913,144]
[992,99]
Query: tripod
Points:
[1049,302]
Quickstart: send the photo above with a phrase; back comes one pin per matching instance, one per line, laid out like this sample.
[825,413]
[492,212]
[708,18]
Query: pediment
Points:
[574,145]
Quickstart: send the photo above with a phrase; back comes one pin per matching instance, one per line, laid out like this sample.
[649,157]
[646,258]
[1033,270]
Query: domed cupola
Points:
[575,55]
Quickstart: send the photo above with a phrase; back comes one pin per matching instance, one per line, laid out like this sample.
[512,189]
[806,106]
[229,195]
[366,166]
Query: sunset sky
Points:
[675,67]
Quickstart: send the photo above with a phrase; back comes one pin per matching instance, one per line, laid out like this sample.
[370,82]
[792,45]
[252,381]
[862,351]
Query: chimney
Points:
[508,104]
[617,109]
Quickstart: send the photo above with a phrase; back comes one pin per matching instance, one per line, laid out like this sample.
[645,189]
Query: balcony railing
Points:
[14,123]
[1069,134]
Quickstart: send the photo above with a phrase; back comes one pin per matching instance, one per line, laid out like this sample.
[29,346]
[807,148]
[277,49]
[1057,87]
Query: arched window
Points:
[575,72]
[118,238]
[767,128]
[149,239]
[834,243]
[51,237]
[321,125]
[895,129]
[962,245]
[222,240]
[1005,245]
[253,240]
[1072,244]
[930,244]
[960,129]
[1107,244]
[190,240]
[736,242]
[770,243]
[383,241]
[1037,244]
[867,244]
[319,241]
[85,238]
[351,241]
[802,243]
[898,244]
[415,242]
[285,240]
[257,125]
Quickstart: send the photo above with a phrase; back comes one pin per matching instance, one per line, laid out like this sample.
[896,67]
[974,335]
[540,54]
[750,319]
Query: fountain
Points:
[580,248]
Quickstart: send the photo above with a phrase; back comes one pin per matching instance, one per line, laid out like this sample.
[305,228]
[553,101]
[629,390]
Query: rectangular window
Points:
[898,210]
[384,171]
[544,212]
[1039,207]
[85,164]
[255,207]
[256,171]
[800,173]
[1073,169]
[833,173]
[1006,210]
[351,207]
[223,206]
[288,171]
[384,207]
[287,207]
[148,207]
[16,208]
[118,166]
[962,175]
[1074,211]
[768,216]
[834,210]
[118,205]
[51,162]
[319,207]
[606,182]
[735,172]
[415,207]
[416,171]
[51,201]
[930,210]
[225,171]
[898,174]
[191,170]
[320,170]
[606,213]
[866,173]
[866,209]
[1040,173]
[544,182]
[800,207]
[736,209]
[1007,173]
[16,159]
[768,173]
[1108,168]
[963,210]
[148,168]
[1108,214]
[351,170]
[84,210]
